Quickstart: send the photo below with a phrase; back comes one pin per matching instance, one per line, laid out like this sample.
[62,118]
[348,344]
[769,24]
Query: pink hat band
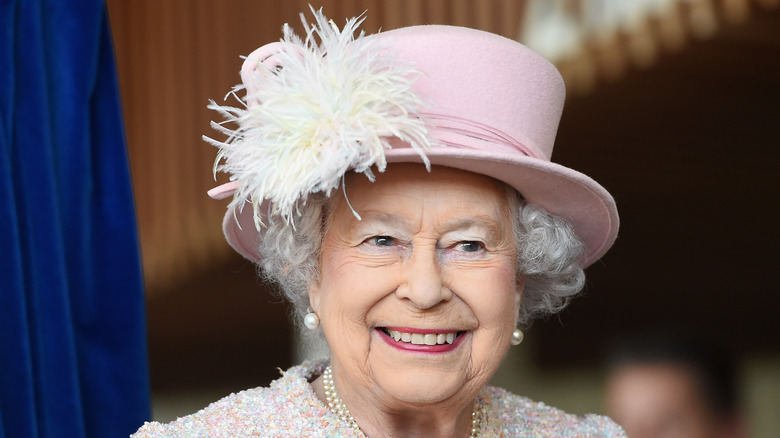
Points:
[463,133]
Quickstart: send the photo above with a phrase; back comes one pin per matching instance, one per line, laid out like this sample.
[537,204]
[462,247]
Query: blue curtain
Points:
[72,330]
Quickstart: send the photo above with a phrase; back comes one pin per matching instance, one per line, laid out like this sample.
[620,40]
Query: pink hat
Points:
[493,108]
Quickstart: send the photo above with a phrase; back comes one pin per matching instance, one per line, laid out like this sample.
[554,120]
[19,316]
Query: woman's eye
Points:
[470,246]
[383,241]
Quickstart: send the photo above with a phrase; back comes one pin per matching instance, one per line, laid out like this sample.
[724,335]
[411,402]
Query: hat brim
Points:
[560,190]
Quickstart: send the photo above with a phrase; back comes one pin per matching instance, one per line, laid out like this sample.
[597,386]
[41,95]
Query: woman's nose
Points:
[422,284]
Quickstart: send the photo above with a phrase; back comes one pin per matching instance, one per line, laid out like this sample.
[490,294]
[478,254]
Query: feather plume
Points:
[328,104]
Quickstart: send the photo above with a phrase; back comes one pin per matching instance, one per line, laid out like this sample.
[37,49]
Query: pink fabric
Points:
[485,78]
[494,110]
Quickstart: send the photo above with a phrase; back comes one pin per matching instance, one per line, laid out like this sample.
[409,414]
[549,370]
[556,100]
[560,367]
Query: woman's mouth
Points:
[425,338]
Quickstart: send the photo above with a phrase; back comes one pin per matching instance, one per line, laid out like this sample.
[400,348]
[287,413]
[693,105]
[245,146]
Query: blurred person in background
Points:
[664,385]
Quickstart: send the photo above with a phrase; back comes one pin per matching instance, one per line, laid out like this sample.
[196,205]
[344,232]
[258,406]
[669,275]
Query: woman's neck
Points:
[377,419]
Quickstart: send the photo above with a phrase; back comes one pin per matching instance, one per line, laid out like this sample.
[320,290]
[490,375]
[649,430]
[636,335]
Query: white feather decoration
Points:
[322,109]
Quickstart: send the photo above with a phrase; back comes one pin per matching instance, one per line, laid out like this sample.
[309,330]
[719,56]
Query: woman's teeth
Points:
[422,338]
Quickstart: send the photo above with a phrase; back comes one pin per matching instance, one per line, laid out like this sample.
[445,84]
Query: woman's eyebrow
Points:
[479,222]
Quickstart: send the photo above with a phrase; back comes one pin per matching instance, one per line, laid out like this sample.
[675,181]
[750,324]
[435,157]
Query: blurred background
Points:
[673,106]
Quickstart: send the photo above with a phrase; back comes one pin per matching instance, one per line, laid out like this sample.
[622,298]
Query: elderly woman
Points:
[398,187]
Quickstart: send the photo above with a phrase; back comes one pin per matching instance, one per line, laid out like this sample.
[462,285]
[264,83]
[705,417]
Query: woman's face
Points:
[431,262]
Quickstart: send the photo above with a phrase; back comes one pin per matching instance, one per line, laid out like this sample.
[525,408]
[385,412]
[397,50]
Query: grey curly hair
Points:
[548,253]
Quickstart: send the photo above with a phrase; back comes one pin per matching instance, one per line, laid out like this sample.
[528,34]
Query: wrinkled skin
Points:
[433,251]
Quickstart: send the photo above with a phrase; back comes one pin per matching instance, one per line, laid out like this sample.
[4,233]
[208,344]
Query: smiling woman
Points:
[445,266]
[402,196]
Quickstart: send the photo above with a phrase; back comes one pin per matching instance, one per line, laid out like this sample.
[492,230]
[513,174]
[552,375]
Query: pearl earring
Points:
[517,336]
[311,320]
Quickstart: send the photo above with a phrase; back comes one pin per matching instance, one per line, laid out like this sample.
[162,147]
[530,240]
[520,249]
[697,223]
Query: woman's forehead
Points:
[398,196]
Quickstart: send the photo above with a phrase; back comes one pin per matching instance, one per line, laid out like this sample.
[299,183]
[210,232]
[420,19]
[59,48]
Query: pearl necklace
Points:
[340,409]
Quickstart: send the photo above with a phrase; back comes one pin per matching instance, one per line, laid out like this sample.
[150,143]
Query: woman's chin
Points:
[421,386]
[412,375]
